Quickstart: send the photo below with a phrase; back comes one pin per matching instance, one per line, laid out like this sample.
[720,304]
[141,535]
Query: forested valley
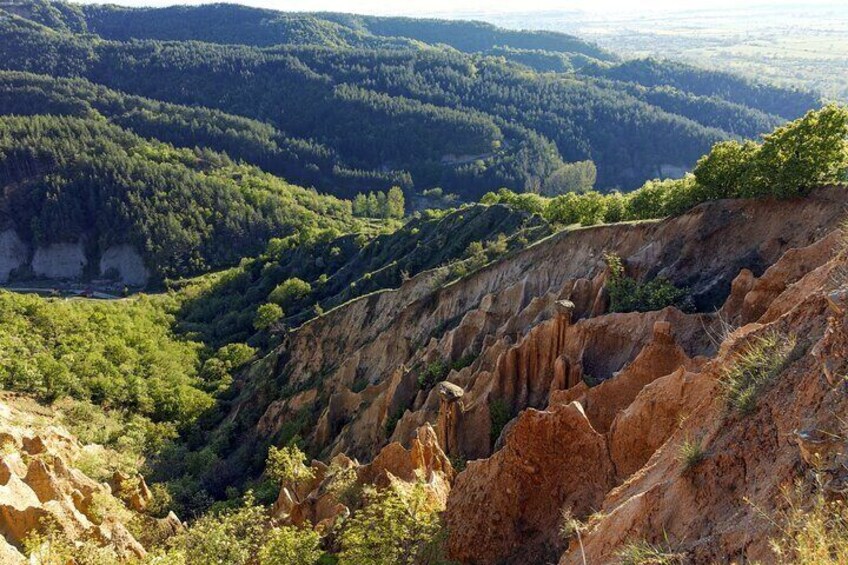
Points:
[348,262]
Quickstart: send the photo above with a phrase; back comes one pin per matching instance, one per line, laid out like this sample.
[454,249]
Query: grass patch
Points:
[813,528]
[691,454]
[755,368]
[644,553]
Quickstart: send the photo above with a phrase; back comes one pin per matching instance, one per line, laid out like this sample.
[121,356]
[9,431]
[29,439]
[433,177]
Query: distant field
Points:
[803,45]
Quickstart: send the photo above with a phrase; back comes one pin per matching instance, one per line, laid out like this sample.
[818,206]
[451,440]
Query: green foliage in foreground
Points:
[115,373]
[393,528]
[809,152]
[287,466]
[291,546]
[119,355]
[792,160]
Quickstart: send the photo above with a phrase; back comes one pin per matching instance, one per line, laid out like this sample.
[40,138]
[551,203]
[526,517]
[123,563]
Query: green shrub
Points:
[289,291]
[629,295]
[267,315]
[395,527]
[291,546]
[117,354]
[809,152]
[48,544]
[727,170]
[571,177]
[392,421]
[344,485]
[463,362]
[433,374]
[458,462]
[233,536]
[794,158]
[591,380]
[287,465]
[499,417]
[753,370]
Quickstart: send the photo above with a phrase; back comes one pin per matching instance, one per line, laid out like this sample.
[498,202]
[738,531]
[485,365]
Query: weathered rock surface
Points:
[68,261]
[124,262]
[717,511]
[59,261]
[39,485]
[506,508]
[509,318]
[600,403]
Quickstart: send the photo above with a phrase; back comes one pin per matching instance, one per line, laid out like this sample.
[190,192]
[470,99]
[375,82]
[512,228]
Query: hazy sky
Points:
[423,7]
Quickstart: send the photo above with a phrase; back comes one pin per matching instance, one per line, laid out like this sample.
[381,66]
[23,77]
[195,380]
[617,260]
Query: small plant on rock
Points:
[691,454]
[755,368]
[433,374]
[570,526]
[287,466]
[644,553]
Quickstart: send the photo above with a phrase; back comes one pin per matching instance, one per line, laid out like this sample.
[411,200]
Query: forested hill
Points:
[230,23]
[185,211]
[356,102]
[252,141]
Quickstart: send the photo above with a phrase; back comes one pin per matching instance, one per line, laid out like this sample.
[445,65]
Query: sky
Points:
[446,7]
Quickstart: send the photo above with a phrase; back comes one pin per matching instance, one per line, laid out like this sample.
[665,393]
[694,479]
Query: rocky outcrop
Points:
[498,511]
[68,261]
[653,416]
[319,500]
[132,490]
[727,507]
[39,487]
[506,317]
[599,403]
[13,254]
[123,263]
[59,261]
[506,508]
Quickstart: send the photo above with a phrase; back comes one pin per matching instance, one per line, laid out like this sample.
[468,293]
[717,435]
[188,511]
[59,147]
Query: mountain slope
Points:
[185,126]
[464,120]
[509,339]
[339,270]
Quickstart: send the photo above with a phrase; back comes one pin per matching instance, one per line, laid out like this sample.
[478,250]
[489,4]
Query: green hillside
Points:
[186,210]
[354,100]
